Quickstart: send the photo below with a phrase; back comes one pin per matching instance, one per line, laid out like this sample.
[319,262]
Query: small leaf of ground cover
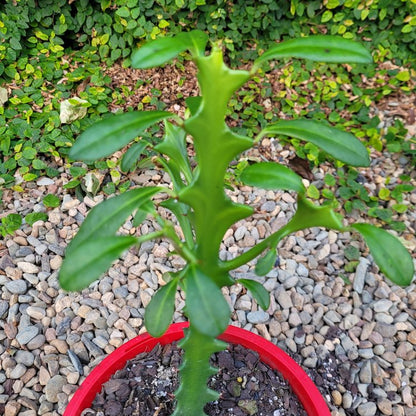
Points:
[51,201]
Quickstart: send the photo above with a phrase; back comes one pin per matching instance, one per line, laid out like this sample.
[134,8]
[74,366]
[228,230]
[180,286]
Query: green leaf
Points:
[132,155]
[141,214]
[310,215]
[209,314]
[313,192]
[339,144]
[106,218]
[266,263]
[89,260]
[111,134]
[51,201]
[270,175]
[318,48]
[35,216]
[11,222]
[258,291]
[160,310]
[162,50]
[193,103]
[174,146]
[389,253]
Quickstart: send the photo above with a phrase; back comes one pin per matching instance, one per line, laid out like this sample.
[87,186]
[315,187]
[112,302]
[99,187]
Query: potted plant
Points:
[198,201]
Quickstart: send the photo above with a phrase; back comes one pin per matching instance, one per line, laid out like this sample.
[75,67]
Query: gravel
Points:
[50,340]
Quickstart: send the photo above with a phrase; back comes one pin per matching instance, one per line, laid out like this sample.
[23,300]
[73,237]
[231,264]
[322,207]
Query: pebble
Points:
[54,387]
[27,334]
[368,326]
[258,317]
[27,267]
[367,409]
[18,287]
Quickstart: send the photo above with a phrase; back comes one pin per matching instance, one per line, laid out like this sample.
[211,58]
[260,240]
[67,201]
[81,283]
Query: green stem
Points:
[193,392]
[270,242]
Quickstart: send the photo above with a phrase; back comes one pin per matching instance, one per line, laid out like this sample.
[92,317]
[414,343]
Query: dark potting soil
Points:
[146,386]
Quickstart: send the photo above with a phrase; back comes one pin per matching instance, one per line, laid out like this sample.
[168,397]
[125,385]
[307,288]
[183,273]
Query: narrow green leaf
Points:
[162,50]
[144,210]
[339,144]
[266,263]
[132,155]
[270,175]
[258,291]
[174,146]
[388,252]
[209,314]
[90,259]
[319,48]
[160,310]
[106,218]
[111,134]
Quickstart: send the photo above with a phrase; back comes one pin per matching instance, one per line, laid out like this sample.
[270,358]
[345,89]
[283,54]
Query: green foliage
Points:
[198,200]
[10,224]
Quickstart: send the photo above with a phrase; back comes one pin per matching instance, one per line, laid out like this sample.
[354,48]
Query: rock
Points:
[258,317]
[24,357]
[367,409]
[17,372]
[27,267]
[18,287]
[336,397]
[36,312]
[385,406]
[54,387]
[360,273]
[36,342]
[12,408]
[25,335]
[72,110]
[284,299]
[4,307]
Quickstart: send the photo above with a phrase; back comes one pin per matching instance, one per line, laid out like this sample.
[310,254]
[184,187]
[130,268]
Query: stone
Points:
[24,357]
[36,342]
[18,287]
[17,372]
[27,267]
[36,312]
[72,109]
[12,408]
[385,406]
[336,397]
[258,317]
[284,299]
[25,335]
[367,409]
[54,387]
[360,274]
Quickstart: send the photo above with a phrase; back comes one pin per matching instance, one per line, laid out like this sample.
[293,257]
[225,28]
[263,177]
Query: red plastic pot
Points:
[269,353]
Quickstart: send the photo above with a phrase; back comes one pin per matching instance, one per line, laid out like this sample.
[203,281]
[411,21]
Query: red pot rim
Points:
[269,353]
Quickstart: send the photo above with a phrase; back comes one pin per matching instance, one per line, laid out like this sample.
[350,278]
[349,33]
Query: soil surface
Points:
[147,384]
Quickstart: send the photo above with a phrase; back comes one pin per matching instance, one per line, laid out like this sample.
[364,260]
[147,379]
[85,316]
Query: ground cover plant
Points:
[198,199]
[51,51]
